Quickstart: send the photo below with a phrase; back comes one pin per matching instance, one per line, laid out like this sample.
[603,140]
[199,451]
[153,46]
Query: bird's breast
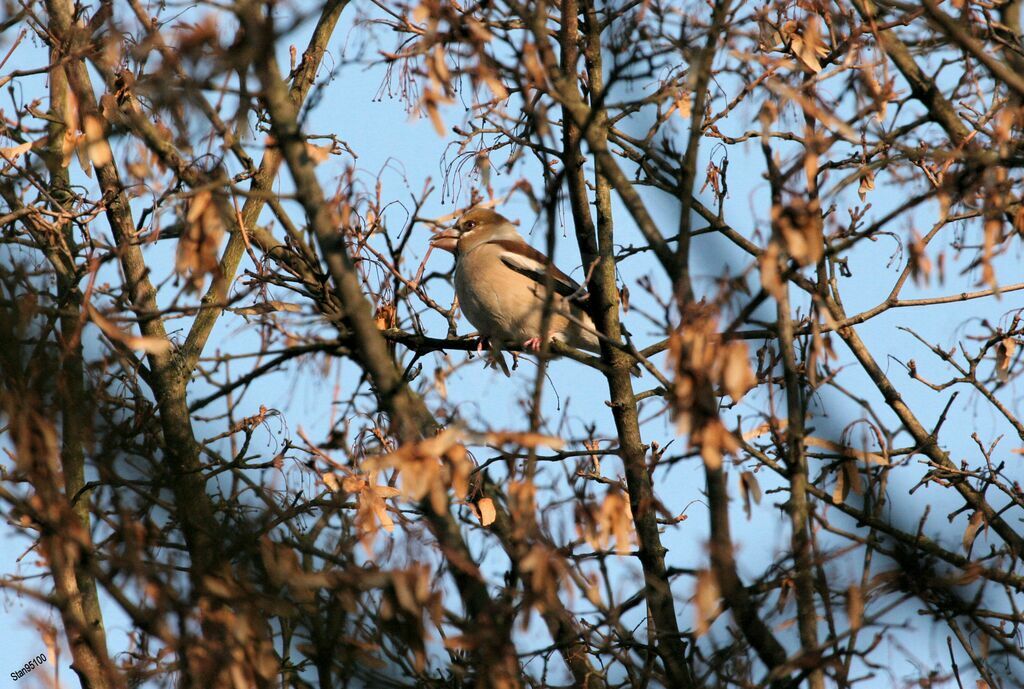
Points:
[498,301]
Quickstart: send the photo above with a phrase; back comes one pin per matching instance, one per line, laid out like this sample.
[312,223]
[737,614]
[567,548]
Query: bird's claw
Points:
[532,345]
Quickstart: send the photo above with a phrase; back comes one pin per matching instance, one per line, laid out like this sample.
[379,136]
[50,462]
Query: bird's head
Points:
[476,226]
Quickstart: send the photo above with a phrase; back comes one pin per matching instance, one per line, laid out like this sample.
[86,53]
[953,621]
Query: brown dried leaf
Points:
[852,453]
[920,263]
[616,519]
[332,482]
[527,440]
[13,153]
[200,240]
[319,154]
[684,105]
[806,44]
[842,488]
[853,478]
[715,442]
[971,532]
[96,144]
[771,278]
[801,228]
[735,375]
[993,235]
[438,68]
[420,13]
[479,31]
[353,484]
[420,466]
[430,102]
[371,510]
[386,316]
[750,490]
[867,182]
[150,345]
[855,606]
[705,599]
[267,307]
[1004,356]
[441,382]
[485,511]
[494,84]
[71,114]
[72,142]
[592,590]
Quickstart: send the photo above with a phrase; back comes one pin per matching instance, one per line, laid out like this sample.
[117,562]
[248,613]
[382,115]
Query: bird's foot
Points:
[532,345]
[482,344]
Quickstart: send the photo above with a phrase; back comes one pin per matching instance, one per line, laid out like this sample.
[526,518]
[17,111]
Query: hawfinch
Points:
[500,282]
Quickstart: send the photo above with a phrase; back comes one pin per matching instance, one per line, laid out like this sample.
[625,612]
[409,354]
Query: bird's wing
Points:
[527,261]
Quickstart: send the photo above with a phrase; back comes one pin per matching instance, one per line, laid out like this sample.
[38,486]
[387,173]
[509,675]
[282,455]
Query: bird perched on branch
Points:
[502,282]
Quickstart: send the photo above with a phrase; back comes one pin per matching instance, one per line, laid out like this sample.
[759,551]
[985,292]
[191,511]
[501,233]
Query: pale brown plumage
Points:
[500,281]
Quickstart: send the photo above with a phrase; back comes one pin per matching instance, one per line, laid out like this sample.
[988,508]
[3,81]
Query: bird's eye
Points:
[469,224]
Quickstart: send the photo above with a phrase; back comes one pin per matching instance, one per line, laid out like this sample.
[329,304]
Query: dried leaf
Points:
[485,511]
[386,316]
[72,142]
[479,31]
[13,153]
[615,519]
[971,532]
[441,382]
[592,590]
[771,278]
[526,440]
[267,307]
[71,114]
[920,263]
[420,467]
[150,345]
[853,478]
[332,482]
[353,484]
[96,144]
[684,105]
[855,607]
[988,272]
[705,599]
[1004,356]
[420,13]
[852,453]
[805,44]
[482,162]
[319,154]
[429,102]
[801,228]
[842,489]
[750,490]
[438,68]
[371,510]
[735,375]
[715,442]
[867,182]
[200,241]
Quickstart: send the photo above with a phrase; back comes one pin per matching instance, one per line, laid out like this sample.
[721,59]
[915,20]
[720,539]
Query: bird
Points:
[501,283]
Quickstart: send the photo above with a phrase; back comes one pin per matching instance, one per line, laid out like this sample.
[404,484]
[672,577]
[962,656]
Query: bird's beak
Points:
[447,240]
